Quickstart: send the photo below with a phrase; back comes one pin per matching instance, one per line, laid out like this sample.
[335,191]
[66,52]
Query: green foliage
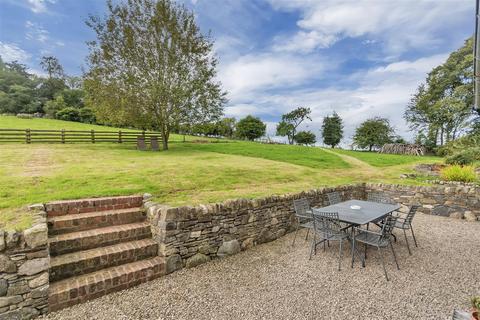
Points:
[464,157]
[86,115]
[332,130]
[290,122]
[53,106]
[458,173]
[73,97]
[442,107]
[305,138]
[476,302]
[68,114]
[154,48]
[372,133]
[460,144]
[250,128]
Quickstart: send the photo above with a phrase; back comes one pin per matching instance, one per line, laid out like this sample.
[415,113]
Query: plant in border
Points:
[458,173]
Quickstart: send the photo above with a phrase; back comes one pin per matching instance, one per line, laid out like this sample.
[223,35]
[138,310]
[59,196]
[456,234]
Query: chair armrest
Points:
[367,231]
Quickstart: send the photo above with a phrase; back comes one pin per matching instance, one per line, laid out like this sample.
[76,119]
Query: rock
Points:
[470,216]
[37,207]
[36,236]
[25,313]
[3,287]
[11,239]
[7,265]
[195,234]
[147,196]
[228,248]
[15,290]
[2,240]
[39,281]
[41,292]
[265,236]
[197,260]
[7,301]
[215,229]
[248,243]
[441,211]
[456,215]
[205,249]
[31,267]
[173,263]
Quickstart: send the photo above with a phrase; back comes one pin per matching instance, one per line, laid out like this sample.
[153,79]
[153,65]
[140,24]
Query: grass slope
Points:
[385,160]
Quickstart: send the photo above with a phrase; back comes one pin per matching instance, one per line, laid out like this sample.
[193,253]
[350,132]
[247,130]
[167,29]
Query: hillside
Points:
[189,173]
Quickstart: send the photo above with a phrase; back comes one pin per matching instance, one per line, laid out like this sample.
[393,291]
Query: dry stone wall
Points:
[189,236]
[24,263]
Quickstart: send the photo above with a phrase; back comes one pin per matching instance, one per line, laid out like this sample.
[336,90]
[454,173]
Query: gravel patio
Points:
[277,281]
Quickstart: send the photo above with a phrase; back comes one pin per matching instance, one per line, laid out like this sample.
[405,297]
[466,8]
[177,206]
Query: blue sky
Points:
[361,58]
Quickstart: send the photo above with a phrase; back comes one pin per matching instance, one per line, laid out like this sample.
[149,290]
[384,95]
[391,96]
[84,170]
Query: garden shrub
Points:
[86,115]
[68,114]
[459,173]
[464,157]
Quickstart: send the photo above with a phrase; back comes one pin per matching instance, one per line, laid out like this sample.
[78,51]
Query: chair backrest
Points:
[411,214]
[327,223]
[334,198]
[388,226]
[302,207]
[379,197]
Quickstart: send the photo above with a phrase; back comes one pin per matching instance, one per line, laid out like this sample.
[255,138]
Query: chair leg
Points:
[295,236]
[363,260]
[406,240]
[340,255]
[353,251]
[324,243]
[383,262]
[394,255]
[314,246]
[413,235]
[308,231]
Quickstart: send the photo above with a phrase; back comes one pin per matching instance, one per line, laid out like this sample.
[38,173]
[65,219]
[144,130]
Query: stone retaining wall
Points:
[189,236]
[441,200]
[24,262]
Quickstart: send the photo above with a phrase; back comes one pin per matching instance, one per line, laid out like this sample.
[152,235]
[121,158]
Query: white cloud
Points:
[36,32]
[39,6]
[400,25]
[304,42]
[11,51]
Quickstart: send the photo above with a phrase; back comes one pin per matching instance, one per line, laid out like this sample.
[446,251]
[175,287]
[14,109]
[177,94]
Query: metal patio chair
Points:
[380,240]
[405,223]
[327,227]
[303,215]
[334,198]
[379,197]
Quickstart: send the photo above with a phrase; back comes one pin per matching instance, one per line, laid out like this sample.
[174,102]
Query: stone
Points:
[3,287]
[147,196]
[228,248]
[173,263]
[39,281]
[2,240]
[36,207]
[41,292]
[205,249]
[248,243]
[215,229]
[31,267]
[7,301]
[36,236]
[25,313]
[15,290]
[7,265]
[11,239]
[470,216]
[197,260]
[441,211]
[195,234]
[456,215]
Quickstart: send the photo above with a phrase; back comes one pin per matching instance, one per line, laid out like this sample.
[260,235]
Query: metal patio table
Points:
[369,212]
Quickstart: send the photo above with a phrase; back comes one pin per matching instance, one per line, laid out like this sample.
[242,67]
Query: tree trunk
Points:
[370,147]
[441,136]
[164,139]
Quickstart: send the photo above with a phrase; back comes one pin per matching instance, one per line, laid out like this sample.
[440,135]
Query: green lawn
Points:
[386,160]
[189,173]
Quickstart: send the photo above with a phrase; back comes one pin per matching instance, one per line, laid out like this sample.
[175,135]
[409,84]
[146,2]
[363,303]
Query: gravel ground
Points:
[276,281]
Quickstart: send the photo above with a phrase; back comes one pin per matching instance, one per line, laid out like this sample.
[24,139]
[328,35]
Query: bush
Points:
[86,115]
[464,157]
[459,173]
[68,114]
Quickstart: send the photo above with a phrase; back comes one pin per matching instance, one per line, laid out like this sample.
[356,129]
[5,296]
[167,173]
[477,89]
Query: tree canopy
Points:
[332,130]
[372,133]
[250,128]
[290,122]
[152,68]
[305,138]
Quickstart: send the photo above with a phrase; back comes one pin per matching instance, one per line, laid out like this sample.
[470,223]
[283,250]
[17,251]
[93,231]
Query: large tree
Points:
[442,108]
[250,128]
[152,68]
[372,133]
[290,122]
[332,130]
[305,138]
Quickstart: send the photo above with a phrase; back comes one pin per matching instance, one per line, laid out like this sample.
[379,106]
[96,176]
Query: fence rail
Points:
[74,136]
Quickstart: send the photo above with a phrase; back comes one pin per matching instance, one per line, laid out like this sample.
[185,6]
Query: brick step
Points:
[64,207]
[94,238]
[81,288]
[82,262]
[92,220]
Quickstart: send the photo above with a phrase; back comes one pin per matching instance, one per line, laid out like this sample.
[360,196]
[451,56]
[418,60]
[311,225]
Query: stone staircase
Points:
[98,246]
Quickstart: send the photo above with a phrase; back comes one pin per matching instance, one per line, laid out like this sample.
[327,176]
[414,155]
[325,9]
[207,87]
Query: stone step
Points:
[81,288]
[92,220]
[86,261]
[64,207]
[100,237]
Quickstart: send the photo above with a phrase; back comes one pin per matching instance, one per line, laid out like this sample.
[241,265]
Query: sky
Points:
[360,58]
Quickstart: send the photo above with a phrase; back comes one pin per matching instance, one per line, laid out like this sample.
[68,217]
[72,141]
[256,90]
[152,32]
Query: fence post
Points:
[28,136]
[63,135]
[119,136]
[92,135]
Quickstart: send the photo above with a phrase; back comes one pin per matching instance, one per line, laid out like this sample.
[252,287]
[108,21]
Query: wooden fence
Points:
[74,136]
